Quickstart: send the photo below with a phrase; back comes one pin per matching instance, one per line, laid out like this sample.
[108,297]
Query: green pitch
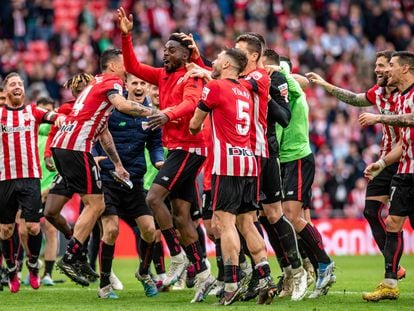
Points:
[354,275]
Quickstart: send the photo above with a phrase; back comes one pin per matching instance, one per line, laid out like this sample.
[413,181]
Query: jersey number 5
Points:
[243,117]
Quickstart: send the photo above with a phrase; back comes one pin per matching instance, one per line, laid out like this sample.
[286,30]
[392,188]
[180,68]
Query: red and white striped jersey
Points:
[258,83]
[89,115]
[19,155]
[231,112]
[406,106]
[386,106]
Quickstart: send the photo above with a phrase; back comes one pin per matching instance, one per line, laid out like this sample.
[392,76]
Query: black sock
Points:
[84,250]
[49,266]
[244,250]
[219,261]
[311,236]
[288,241]
[34,243]
[263,270]
[93,246]
[18,249]
[231,274]
[394,246]
[106,256]
[305,252]
[372,213]
[172,241]
[138,238]
[145,254]
[194,254]
[73,251]
[9,252]
[202,239]
[275,242]
[158,258]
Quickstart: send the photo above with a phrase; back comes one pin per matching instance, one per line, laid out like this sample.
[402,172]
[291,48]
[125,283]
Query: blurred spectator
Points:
[356,200]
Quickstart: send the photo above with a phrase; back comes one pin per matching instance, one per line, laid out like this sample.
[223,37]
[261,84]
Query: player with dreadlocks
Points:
[58,195]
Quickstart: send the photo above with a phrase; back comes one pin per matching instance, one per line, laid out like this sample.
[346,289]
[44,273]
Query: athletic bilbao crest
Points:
[26,116]
[204,95]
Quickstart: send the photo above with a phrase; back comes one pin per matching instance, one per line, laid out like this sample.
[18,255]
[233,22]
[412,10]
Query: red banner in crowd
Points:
[340,236]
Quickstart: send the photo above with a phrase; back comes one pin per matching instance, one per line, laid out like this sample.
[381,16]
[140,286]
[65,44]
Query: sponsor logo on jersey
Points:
[237,151]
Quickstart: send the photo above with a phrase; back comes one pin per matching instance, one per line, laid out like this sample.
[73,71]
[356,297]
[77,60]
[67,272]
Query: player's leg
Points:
[50,254]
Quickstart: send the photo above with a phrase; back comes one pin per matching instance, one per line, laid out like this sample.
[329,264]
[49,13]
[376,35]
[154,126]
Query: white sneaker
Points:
[47,280]
[204,282]
[299,284]
[307,265]
[107,292]
[217,288]
[115,282]
[287,286]
[180,284]
[324,277]
[179,263]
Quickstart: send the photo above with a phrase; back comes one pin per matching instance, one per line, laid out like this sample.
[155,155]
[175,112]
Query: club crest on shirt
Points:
[205,92]
[26,116]
[255,75]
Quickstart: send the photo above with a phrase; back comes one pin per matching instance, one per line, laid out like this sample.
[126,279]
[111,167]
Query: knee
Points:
[50,214]
[394,223]
[110,234]
[372,209]
[33,228]
[6,231]
[148,233]
[152,199]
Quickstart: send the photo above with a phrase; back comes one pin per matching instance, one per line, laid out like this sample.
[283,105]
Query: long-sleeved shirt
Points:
[178,100]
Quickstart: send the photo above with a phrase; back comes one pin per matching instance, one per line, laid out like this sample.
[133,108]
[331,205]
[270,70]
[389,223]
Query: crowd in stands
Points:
[48,41]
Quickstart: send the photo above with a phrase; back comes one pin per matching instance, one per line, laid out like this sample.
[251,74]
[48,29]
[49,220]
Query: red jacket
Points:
[174,93]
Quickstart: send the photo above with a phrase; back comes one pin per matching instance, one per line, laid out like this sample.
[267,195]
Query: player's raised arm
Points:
[348,97]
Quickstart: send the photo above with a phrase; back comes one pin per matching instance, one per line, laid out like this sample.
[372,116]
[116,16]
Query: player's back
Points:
[89,114]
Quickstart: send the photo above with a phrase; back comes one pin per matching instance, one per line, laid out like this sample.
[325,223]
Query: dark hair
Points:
[260,37]
[74,82]
[405,58]
[107,56]
[386,54]
[1,88]
[239,58]
[287,60]
[45,101]
[184,43]
[272,56]
[253,43]
[9,76]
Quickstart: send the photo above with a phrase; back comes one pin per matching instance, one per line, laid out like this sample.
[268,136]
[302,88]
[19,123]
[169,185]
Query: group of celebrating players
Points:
[242,120]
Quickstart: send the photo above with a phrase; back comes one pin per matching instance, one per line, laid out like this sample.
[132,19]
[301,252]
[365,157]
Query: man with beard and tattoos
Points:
[385,98]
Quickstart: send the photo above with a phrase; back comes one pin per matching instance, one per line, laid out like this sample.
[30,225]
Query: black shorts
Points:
[207,206]
[178,174]
[233,194]
[128,204]
[270,181]
[79,171]
[381,184]
[402,195]
[58,187]
[23,193]
[195,210]
[297,179]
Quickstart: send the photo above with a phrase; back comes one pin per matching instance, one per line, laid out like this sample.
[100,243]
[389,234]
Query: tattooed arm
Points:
[129,107]
[108,146]
[348,97]
[400,120]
